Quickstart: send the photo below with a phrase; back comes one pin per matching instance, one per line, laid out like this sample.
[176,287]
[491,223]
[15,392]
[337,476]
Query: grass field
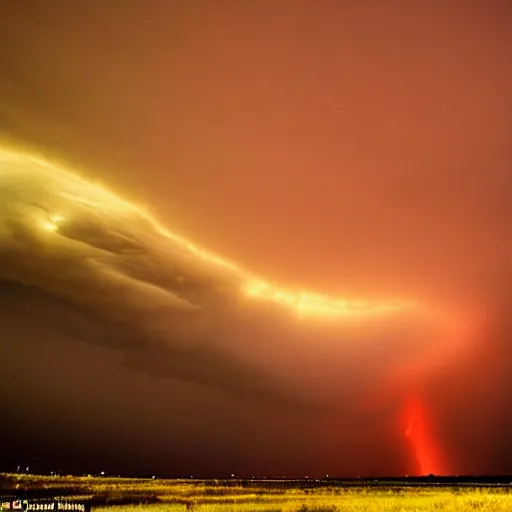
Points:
[148,495]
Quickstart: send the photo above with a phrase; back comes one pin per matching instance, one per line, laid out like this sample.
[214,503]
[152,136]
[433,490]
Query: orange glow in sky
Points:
[419,432]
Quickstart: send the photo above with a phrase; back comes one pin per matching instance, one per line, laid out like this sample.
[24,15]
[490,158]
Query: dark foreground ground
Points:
[427,494]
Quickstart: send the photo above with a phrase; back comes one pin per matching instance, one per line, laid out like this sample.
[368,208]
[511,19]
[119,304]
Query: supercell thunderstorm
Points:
[174,310]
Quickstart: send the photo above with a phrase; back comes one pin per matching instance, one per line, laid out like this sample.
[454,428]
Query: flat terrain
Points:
[158,495]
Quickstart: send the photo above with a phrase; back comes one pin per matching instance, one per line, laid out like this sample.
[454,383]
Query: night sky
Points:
[256,238]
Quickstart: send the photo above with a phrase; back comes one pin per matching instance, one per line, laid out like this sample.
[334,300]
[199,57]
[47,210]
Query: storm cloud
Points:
[171,309]
[358,151]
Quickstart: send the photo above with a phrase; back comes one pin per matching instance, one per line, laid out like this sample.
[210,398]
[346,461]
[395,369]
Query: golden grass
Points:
[211,496]
[431,501]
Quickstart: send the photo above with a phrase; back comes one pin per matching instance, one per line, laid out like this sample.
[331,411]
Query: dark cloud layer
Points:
[358,149]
